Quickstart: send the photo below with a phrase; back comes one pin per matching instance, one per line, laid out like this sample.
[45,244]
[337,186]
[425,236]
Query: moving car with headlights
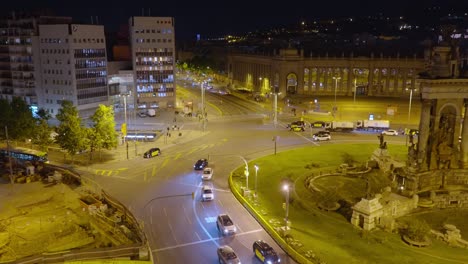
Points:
[207,173]
[152,152]
[265,253]
[390,132]
[200,164]
[321,136]
[207,193]
[225,225]
[226,255]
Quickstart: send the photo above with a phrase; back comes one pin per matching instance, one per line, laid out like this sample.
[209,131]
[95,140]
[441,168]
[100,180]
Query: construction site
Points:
[49,214]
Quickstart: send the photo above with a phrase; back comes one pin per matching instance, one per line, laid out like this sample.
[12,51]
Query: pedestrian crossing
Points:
[159,164]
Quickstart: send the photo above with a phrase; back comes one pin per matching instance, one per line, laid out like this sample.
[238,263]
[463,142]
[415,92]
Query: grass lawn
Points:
[329,236]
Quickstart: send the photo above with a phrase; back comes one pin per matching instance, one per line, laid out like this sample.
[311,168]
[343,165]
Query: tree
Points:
[43,130]
[71,134]
[5,117]
[22,122]
[103,134]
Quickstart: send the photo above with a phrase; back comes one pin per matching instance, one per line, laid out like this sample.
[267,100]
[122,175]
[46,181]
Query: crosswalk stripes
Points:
[155,169]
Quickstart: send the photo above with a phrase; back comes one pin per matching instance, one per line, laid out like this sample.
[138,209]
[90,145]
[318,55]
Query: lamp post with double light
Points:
[336,85]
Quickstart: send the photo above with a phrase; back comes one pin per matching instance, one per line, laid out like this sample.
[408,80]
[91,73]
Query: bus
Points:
[25,154]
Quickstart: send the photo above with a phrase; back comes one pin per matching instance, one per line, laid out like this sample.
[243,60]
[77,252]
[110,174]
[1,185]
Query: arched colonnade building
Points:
[289,72]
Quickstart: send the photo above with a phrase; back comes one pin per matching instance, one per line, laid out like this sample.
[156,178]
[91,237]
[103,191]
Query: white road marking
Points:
[203,241]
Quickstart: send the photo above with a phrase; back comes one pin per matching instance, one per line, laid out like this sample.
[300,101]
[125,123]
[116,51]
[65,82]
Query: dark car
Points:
[297,126]
[265,253]
[200,164]
[153,152]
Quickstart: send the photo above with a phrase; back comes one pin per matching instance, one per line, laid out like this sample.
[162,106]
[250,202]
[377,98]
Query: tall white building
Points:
[153,53]
[73,66]
[20,74]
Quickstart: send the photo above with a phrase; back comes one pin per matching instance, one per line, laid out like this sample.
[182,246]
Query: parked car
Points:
[226,255]
[390,132]
[321,136]
[225,225]
[265,253]
[207,193]
[207,173]
[200,164]
[142,114]
[152,152]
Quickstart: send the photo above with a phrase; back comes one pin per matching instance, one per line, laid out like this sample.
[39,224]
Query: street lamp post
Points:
[286,189]
[256,172]
[336,85]
[125,141]
[275,113]
[409,107]
[203,106]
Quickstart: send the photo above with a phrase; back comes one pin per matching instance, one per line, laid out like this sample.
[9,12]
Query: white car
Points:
[207,193]
[225,225]
[207,173]
[321,137]
[390,132]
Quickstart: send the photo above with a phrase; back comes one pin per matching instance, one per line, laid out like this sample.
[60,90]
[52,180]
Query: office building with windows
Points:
[73,64]
[20,74]
[153,54]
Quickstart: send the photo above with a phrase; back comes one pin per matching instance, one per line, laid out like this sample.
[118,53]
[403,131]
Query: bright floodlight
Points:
[286,187]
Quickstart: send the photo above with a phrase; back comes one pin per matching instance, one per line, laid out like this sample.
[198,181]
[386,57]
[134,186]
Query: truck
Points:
[151,112]
[373,125]
[339,126]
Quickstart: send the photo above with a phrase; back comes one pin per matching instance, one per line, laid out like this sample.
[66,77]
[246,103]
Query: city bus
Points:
[25,154]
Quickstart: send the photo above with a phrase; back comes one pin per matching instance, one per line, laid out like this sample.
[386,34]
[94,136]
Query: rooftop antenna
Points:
[92,20]
[97,21]
[149,11]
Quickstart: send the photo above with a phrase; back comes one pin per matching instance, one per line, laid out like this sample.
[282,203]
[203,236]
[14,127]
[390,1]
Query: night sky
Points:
[214,18]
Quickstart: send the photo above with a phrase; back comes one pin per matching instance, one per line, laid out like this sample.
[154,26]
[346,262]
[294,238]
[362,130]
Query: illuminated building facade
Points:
[20,74]
[153,54]
[73,65]
[290,72]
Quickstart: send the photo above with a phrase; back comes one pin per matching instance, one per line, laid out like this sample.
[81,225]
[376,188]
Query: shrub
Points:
[348,159]
[417,230]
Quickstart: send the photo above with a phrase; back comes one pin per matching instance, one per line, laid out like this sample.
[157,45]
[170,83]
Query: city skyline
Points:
[210,18]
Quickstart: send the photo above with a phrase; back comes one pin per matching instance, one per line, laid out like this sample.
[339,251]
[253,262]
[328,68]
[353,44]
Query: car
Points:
[296,126]
[412,131]
[265,253]
[225,225]
[152,152]
[207,173]
[321,136]
[200,164]
[318,124]
[390,132]
[207,193]
[142,114]
[226,255]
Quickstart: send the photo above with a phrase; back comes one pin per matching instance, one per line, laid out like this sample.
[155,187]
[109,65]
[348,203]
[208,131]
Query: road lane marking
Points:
[203,241]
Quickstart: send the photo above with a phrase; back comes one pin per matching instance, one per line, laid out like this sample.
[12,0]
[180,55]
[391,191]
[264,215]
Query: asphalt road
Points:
[180,227]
